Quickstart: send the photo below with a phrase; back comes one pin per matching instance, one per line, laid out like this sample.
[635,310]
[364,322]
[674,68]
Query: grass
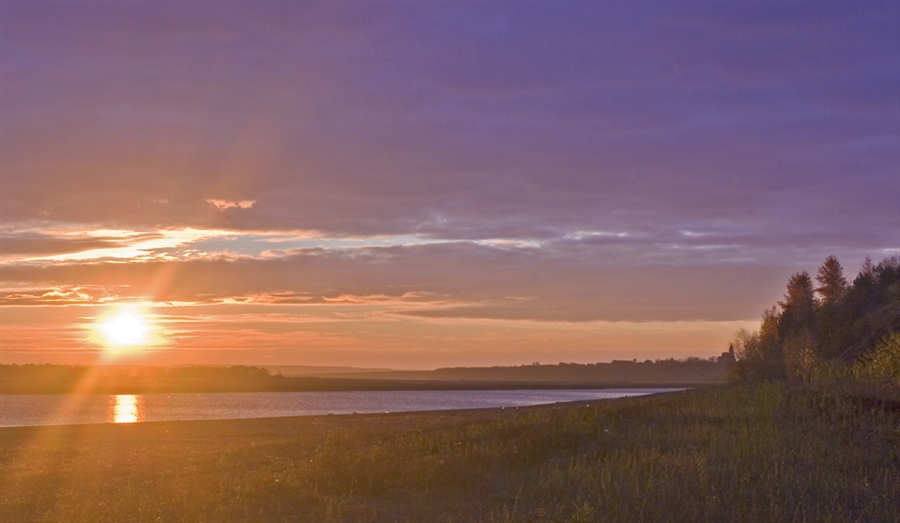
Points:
[763,453]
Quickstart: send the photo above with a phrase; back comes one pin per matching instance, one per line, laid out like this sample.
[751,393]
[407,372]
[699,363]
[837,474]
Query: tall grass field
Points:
[732,453]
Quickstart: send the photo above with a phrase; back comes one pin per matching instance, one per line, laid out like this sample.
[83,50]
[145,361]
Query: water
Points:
[71,409]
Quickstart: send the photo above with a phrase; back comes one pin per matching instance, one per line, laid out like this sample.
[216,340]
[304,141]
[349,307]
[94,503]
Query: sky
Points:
[431,184]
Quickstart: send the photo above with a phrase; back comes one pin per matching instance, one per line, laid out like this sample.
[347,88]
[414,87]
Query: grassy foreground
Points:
[722,454]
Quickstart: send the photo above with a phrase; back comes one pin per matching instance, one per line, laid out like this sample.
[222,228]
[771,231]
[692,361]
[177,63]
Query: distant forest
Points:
[828,330]
[691,370]
[47,378]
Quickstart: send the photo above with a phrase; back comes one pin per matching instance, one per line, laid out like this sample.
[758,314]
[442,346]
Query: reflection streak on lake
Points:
[62,409]
[125,408]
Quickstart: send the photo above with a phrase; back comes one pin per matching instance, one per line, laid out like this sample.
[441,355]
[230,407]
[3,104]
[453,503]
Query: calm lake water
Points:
[62,409]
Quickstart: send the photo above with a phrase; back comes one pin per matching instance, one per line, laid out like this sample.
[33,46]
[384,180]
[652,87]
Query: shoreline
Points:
[332,415]
[338,417]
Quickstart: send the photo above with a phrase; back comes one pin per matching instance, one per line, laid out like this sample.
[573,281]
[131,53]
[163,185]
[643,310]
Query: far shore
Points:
[124,379]
[322,385]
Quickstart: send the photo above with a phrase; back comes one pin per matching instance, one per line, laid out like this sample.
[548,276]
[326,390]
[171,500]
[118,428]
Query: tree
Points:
[866,276]
[770,344]
[832,284]
[867,268]
[759,354]
[799,306]
[799,355]
[800,296]
[809,339]
[832,313]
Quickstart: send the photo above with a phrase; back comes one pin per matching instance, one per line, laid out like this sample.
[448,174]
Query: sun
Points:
[124,329]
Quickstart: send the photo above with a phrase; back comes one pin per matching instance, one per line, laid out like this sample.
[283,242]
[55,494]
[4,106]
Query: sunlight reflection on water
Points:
[125,408]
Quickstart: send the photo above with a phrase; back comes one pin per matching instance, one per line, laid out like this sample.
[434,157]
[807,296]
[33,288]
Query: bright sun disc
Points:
[126,328]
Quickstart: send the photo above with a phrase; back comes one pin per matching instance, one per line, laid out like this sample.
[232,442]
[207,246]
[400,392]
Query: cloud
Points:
[706,273]
[53,296]
[36,244]
[448,280]
[77,244]
[226,204]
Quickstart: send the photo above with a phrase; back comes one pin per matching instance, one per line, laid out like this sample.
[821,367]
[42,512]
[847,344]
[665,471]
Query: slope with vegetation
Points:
[835,332]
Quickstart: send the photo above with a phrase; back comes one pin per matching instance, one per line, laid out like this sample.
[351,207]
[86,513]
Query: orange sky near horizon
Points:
[379,337]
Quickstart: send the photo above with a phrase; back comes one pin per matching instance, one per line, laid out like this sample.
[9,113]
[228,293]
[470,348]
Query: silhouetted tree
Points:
[800,297]
[832,284]
[759,354]
[832,313]
[871,307]
[798,307]
[866,273]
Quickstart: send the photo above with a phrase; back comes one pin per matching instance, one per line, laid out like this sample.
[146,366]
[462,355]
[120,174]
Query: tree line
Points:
[828,328]
[54,378]
[688,371]
[68,378]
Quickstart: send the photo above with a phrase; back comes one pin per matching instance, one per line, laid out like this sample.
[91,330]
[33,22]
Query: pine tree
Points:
[798,318]
[866,276]
[800,300]
[832,284]
[833,312]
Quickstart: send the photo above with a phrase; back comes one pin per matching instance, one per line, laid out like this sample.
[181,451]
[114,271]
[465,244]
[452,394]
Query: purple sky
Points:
[495,175]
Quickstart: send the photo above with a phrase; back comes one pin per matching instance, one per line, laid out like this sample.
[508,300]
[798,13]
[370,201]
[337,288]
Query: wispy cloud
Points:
[227,204]
[86,244]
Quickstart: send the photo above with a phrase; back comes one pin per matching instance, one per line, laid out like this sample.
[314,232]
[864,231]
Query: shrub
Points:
[881,364]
